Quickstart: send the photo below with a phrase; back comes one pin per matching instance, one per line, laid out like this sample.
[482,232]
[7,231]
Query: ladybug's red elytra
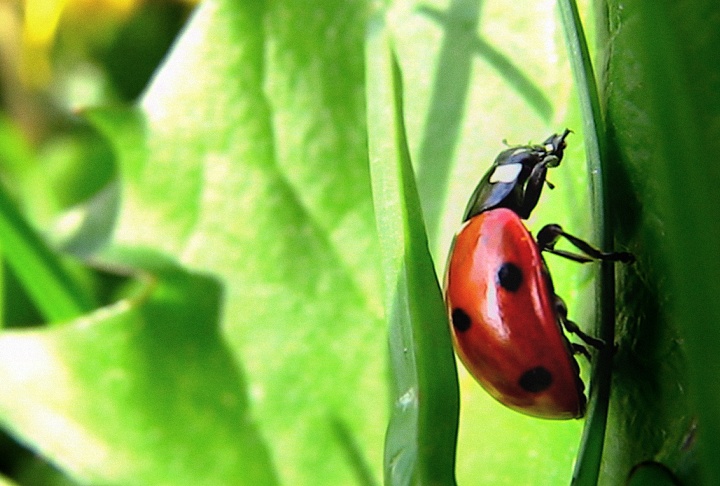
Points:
[507,322]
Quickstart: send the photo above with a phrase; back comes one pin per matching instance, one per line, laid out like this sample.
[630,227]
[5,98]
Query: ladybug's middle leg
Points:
[551,233]
[572,327]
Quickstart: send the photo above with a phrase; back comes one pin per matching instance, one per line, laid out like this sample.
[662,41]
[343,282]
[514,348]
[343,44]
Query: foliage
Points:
[194,265]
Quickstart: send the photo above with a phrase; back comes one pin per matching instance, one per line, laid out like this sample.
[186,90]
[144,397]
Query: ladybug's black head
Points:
[515,165]
[516,177]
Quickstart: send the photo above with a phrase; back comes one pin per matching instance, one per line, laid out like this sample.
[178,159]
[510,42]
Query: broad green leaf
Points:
[662,93]
[142,392]
[247,159]
[421,437]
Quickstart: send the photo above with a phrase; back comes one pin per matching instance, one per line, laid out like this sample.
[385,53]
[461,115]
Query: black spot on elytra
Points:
[460,320]
[536,380]
[510,277]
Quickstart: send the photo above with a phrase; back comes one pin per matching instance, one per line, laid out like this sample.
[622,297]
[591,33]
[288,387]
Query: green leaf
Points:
[247,160]
[421,436]
[587,468]
[6,482]
[662,97]
[144,391]
[41,273]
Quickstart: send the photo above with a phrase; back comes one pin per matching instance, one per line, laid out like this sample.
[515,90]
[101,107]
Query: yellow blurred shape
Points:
[39,27]
[42,20]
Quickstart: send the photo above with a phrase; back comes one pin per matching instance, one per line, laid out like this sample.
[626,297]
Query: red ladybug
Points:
[506,320]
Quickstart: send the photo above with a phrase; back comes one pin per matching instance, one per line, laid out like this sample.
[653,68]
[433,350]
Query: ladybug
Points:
[506,320]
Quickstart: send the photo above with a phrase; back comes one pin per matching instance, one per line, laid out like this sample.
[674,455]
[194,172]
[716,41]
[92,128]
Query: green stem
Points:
[587,468]
[55,294]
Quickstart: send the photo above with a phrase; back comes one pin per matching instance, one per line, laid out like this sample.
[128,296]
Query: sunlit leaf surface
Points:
[263,353]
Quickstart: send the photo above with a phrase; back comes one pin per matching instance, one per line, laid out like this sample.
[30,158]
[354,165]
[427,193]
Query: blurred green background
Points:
[200,176]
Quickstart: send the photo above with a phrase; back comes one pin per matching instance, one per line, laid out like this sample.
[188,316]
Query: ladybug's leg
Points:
[553,148]
[570,326]
[535,183]
[551,233]
[580,349]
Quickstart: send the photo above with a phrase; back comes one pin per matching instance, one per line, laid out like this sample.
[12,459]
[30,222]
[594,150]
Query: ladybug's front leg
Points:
[554,148]
[551,233]
[535,183]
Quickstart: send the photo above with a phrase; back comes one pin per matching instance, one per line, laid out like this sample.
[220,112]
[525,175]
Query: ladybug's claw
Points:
[580,349]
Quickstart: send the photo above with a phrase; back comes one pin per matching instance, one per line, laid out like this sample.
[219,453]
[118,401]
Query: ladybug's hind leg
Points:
[572,327]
